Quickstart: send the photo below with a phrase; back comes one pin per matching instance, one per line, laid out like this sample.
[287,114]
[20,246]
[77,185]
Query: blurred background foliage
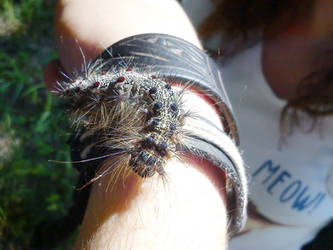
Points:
[33,127]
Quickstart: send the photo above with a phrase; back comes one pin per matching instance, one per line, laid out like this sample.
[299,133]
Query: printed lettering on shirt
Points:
[293,192]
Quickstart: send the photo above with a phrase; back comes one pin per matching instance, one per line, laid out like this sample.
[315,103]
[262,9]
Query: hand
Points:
[95,25]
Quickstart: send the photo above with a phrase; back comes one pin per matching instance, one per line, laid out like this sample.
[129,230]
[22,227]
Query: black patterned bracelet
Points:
[125,107]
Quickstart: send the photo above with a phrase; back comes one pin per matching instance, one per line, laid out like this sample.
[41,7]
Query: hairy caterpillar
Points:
[135,118]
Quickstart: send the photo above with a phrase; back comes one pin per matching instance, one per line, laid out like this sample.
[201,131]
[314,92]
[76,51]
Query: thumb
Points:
[52,74]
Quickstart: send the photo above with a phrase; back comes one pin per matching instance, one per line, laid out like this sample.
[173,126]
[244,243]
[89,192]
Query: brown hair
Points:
[315,100]
[243,17]
[244,21]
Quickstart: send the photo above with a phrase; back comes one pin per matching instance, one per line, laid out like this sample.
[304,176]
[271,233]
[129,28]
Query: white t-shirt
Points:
[291,182]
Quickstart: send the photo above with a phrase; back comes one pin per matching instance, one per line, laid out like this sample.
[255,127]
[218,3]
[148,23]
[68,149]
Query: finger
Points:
[95,25]
[75,46]
[52,74]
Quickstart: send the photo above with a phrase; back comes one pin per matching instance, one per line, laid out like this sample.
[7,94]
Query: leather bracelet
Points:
[170,60]
[175,60]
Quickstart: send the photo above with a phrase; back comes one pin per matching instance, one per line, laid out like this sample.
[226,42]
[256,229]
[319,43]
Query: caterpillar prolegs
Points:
[128,111]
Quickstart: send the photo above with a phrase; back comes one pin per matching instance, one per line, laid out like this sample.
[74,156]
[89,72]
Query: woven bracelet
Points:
[125,106]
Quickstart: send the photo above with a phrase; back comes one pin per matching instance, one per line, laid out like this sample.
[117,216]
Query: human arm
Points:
[188,211]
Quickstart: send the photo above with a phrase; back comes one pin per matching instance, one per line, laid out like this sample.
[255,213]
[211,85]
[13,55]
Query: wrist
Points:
[151,214]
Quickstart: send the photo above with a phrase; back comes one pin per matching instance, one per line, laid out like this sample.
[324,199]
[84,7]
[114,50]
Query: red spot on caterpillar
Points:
[96,84]
[103,73]
[121,79]
[129,69]
[153,76]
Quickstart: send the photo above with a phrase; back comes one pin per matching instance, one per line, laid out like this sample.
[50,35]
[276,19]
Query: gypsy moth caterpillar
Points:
[128,111]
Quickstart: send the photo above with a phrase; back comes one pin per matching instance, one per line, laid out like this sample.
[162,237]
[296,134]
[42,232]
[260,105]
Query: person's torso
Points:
[291,180]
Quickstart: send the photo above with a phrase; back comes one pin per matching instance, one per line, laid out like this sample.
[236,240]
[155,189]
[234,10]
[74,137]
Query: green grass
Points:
[32,126]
